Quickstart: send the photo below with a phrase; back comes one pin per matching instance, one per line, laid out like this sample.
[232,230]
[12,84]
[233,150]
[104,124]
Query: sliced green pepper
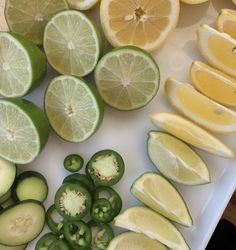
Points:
[59,245]
[73,162]
[102,211]
[72,201]
[105,168]
[45,241]
[77,234]
[102,234]
[81,179]
[55,227]
[112,196]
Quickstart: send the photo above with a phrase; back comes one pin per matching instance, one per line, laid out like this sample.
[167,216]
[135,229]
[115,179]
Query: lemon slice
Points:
[193,1]
[176,160]
[219,49]
[226,22]
[199,108]
[214,83]
[82,4]
[146,221]
[145,23]
[191,133]
[134,241]
[157,193]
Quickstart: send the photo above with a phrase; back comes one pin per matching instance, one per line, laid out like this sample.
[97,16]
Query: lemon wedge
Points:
[214,83]
[193,1]
[218,48]
[82,4]
[191,133]
[145,23]
[199,108]
[226,22]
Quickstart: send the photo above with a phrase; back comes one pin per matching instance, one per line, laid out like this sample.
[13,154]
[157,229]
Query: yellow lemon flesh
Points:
[191,133]
[143,23]
[82,4]
[219,49]
[214,83]
[199,108]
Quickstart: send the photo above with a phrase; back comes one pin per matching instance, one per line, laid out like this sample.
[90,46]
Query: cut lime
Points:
[22,65]
[146,221]
[29,17]
[134,241]
[176,160]
[160,195]
[72,43]
[82,4]
[127,78]
[24,130]
[74,108]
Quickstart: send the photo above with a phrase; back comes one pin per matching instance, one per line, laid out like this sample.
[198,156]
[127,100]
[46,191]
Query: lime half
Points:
[29,17]
[24,130]
[72,43]
[127,78]
[146,221]
[22,65]
[160,195]
[176,160]
[74,108]
[134,241]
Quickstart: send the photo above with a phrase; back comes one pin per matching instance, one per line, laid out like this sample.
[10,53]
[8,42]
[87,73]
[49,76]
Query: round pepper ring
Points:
[102,211]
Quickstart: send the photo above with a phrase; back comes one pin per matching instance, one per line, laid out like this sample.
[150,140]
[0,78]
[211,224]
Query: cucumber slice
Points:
[21,223]
[5,198]
[7,175]
[22,247]
[30,185]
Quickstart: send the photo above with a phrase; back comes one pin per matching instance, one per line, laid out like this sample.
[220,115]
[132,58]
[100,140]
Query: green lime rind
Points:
[199,182]
[38,121]
[66,42]
[92,92]
[35,34]
[135,51]
[35,57]
[163,210]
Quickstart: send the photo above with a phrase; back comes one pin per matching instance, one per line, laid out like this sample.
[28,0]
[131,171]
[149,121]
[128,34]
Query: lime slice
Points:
[22,65]
[127,78]
[160,195]
[82,4]
[176,160]
[72,43]
[74,108]
[146,221]
[24,130]
[134,241]
[29,17]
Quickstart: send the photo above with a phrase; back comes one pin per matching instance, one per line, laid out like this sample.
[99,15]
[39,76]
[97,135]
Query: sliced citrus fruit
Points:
[29,17]
[199,108]
[194,1]
[191,133]
[146,221]
[134,241]
[214,83]
[22,65]
[219,49]
[82,4]
[24,130]
[127,78]
[226,22]
[234,1]
[160,195]
[74,108]
[145,23]
[3,23]
[176,160]
[72,43]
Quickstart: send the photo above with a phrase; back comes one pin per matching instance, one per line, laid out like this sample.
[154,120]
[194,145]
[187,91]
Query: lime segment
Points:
[74,108]
[72,43]
[22,65]
[157,193]
[127,78]
[23,130]
[29,17]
